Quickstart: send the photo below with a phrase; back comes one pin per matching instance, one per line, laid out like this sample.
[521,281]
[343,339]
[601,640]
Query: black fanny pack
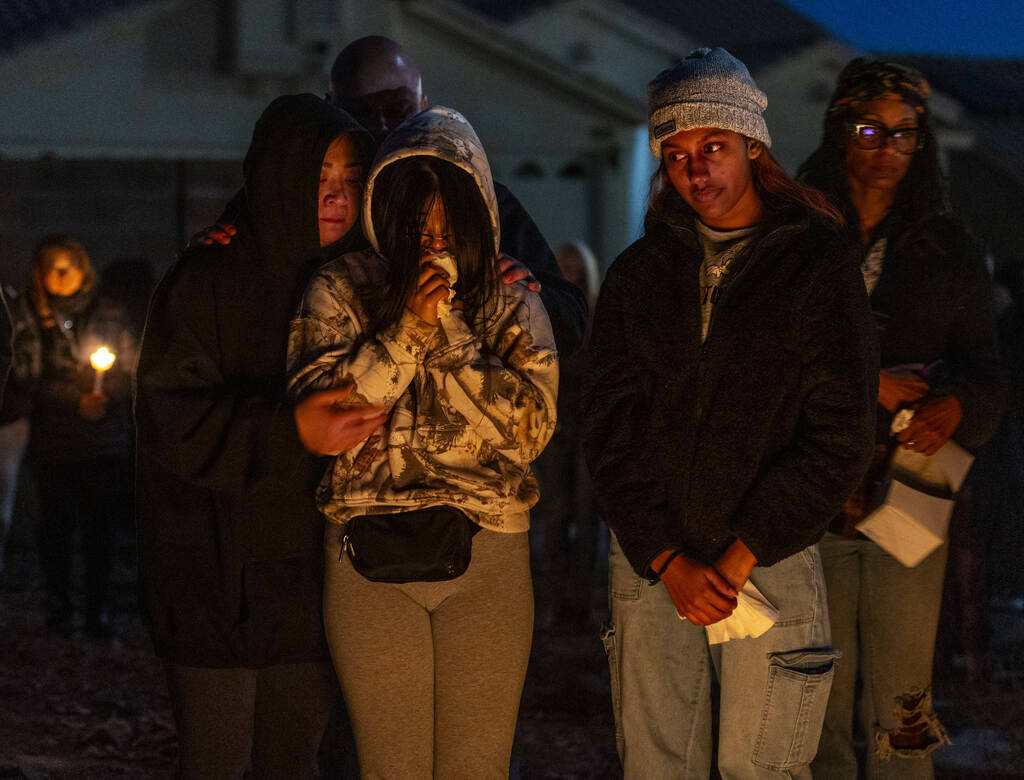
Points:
[424,545]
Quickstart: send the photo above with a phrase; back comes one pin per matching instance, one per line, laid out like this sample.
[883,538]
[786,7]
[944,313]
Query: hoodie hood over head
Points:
[436,132]
[282,174]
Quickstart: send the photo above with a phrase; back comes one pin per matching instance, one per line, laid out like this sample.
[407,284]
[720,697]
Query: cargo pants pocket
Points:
[796,696]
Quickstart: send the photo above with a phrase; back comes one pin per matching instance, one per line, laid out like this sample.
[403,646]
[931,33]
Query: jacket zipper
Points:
[700,375]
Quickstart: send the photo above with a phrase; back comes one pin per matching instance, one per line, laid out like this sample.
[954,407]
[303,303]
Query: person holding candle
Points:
[80,432]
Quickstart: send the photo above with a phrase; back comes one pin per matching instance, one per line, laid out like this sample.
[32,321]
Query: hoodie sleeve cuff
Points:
[411,336]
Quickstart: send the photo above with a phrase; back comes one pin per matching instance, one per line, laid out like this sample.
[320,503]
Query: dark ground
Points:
[88,709]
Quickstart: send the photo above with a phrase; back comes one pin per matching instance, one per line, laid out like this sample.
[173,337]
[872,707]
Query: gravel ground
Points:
[88,709]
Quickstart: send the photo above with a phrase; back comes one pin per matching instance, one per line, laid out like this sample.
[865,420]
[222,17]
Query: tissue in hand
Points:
[753,615]
[446,263]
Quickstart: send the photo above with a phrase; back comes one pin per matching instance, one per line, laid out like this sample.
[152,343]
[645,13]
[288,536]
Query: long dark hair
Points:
[776,188]
[921,193]
[403,193]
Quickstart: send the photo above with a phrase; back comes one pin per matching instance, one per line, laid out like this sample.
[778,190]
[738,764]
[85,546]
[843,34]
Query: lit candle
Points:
[102,359]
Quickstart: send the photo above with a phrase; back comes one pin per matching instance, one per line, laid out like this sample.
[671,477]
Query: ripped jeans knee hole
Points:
[918,731]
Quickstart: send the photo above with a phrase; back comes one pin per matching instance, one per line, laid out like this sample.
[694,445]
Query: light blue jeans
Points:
[886,616]
[774,688]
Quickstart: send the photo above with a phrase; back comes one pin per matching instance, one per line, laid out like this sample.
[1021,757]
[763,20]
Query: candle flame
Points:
[102,359]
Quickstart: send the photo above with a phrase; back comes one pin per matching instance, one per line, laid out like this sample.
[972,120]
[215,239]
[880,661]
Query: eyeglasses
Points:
[906,140]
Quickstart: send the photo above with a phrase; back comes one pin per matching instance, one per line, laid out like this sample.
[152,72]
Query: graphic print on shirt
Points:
[721,247]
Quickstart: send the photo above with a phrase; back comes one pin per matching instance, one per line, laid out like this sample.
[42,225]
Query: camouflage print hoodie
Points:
[472,403]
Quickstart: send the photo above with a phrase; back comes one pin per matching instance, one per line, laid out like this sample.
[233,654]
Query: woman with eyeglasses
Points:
[931,294]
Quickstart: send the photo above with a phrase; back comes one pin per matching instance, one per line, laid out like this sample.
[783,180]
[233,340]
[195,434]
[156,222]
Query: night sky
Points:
[980,28]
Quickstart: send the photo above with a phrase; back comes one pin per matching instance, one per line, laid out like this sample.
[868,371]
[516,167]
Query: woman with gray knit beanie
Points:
[729,413]
[878,162]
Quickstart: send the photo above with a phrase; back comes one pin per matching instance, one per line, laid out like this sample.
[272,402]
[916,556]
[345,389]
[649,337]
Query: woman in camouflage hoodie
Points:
[432,671]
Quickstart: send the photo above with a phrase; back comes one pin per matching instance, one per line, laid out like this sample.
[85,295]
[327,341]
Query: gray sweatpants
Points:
[432,672]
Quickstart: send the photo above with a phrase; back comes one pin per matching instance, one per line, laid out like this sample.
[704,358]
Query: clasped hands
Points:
[935,420]
[705,594]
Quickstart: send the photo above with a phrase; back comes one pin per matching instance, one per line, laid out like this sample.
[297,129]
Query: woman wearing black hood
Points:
[229,534]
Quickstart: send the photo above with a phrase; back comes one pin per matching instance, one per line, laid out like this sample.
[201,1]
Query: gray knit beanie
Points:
[710,88]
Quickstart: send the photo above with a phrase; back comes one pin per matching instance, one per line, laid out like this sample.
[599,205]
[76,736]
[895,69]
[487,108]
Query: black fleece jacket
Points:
[230,539]
[762,431]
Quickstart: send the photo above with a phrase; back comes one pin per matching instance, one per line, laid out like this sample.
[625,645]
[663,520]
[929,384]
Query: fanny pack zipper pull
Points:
[346,546]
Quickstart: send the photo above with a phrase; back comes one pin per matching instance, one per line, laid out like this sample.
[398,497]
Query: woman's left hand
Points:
[932,425]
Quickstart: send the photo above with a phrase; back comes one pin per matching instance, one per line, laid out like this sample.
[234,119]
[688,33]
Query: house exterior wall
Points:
[606,40]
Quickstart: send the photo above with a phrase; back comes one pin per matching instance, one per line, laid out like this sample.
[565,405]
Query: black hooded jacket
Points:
[229,536]
[760,432]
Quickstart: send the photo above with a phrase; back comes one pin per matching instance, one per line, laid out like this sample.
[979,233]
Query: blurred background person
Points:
[931,294]
[565,536]
[80,434]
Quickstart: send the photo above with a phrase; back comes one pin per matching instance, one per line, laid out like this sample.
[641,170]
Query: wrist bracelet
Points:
[664,567]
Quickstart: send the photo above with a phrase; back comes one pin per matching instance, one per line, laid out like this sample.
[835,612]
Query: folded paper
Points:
[913,521]
[753,615]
